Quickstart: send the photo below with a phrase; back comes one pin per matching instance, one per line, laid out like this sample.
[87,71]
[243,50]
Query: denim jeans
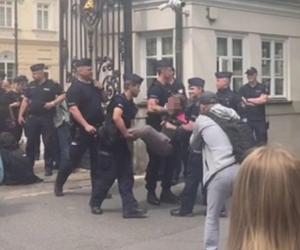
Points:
[64,140]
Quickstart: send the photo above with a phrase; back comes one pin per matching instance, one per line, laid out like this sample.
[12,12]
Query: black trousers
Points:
[194,177]
[17,132]
[159,168]
[80,143]
[259,129]
[35,127]
[116,165]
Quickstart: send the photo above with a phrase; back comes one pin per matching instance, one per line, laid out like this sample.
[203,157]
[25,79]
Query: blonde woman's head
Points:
[266,202]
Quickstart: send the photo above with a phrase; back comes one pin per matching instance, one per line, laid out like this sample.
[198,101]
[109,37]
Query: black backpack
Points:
[239,134]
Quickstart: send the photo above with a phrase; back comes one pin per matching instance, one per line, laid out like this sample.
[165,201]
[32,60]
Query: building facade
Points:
[38,36]
[229,35]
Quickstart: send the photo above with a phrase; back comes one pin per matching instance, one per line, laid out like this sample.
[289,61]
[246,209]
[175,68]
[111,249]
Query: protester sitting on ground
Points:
[15,165]
[266,202]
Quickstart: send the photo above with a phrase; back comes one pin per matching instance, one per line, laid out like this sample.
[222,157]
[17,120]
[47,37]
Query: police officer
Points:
[40,100]
[225,95]
[158,94]
[194,162]
[255,96]
[116,159]
[84,102]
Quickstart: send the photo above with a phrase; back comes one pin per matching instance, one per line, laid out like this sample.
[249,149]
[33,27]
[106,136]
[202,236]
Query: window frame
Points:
[159,55]
[230,57]
[7,57]
[42,9]
[273,41]
[6,6]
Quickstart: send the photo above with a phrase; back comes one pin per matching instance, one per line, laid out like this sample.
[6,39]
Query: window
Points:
[6,14]
[42,16]
[7,65]
[230,58]
[157,48]
[273,67]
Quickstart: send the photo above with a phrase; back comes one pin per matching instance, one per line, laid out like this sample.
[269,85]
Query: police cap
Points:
[83,62]
[208,97]
[196,82]
[134,78]
[223,74]
[37,67]
[251,71]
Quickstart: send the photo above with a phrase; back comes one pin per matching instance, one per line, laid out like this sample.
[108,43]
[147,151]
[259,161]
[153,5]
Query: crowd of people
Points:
[209,134]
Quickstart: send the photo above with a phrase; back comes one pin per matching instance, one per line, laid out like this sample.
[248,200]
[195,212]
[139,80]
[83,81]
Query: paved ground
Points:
[32,218]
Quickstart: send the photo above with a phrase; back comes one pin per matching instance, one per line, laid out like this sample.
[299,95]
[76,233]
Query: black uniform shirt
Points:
[128,107]
[4,114]
[12,97]
[88,99]
[161,93]
[40,94]
[229,99]
[254,113]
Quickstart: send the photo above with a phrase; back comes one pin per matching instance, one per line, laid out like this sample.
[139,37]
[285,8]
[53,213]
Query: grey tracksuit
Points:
[219,172]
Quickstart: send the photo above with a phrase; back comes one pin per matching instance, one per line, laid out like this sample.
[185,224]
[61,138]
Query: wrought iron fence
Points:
[100,30]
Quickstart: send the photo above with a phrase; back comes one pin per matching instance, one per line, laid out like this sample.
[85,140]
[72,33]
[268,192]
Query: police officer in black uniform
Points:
[40,100]
[255,96]
[225,95]
[84,101]
[115,157]
[194,163]
[158,94]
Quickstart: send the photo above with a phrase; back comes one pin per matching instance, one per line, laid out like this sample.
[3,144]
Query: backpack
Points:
[239,134]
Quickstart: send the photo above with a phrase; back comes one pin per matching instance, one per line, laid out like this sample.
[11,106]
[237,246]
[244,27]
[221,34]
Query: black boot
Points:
[152,198]
[137,213]
[48,171]
[177,212]
[96,210]
[168,197]
[59,183]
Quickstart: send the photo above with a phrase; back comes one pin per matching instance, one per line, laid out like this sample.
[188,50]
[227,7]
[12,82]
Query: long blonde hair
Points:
[266,202]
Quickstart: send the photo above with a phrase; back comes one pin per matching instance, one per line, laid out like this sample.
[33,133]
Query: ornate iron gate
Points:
[100,30]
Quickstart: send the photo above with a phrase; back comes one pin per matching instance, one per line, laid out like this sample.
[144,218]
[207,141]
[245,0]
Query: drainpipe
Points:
[127,5]
[179,45]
